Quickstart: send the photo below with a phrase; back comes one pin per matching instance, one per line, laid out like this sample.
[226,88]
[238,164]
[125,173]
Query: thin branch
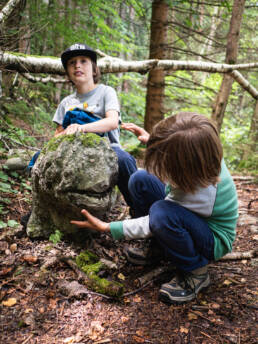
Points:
[241,255]
[44,80]
[244,83]
[7,10]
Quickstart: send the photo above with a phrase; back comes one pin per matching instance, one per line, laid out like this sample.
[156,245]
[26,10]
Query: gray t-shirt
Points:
[98,101]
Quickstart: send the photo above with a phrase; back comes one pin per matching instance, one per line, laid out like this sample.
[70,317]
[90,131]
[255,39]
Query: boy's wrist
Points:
[84,128]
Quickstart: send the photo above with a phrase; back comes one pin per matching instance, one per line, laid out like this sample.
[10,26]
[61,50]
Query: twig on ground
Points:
[240,255]
[153,274]
[137,290]
[27,339]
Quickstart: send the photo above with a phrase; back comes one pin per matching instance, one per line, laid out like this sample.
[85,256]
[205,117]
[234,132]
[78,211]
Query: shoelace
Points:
[186,281]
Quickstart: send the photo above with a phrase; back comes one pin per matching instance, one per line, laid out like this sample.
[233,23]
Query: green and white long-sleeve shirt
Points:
[216,204]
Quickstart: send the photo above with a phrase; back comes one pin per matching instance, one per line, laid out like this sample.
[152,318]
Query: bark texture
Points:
[154,111]
[221,101]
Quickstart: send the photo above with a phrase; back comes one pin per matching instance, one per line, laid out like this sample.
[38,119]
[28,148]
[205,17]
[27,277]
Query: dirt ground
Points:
[35,309]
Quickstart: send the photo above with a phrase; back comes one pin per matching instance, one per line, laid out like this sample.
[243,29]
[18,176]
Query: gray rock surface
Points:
[72,172]
[18,159]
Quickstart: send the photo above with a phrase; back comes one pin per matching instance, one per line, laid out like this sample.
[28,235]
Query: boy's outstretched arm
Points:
[92,222]
[141,133]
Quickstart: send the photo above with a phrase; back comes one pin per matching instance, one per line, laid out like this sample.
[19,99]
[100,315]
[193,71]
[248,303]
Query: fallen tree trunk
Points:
[22,63]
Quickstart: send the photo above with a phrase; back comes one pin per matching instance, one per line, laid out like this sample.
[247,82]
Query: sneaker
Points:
[144,256]
[185,286]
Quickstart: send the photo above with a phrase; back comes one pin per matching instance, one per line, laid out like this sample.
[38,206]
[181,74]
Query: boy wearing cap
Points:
[80,64]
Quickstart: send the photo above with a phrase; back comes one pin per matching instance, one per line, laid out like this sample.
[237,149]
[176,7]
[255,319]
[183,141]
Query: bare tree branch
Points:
[44,80]
[52,65]
[7,10]
[244,83]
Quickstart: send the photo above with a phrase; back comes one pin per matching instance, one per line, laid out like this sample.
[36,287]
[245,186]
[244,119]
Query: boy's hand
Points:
[92,222]
[74,128]
[141,133]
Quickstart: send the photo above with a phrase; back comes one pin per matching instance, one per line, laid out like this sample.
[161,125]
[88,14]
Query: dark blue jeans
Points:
[126,167]
[184,236]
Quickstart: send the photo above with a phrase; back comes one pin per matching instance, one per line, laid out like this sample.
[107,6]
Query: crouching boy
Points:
[186,201]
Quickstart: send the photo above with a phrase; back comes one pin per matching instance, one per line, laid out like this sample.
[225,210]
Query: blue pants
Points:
[184,236]
[126,167]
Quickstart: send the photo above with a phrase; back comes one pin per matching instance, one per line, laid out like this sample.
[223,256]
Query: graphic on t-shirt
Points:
[82,106]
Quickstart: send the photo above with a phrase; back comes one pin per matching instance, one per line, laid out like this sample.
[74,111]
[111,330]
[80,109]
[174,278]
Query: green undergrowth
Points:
[12,183]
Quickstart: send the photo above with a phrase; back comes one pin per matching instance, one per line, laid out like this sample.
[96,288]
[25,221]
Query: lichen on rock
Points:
[72,172]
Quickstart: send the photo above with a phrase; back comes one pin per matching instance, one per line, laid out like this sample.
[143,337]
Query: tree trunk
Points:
[253,135]
[154,111]
[221,101]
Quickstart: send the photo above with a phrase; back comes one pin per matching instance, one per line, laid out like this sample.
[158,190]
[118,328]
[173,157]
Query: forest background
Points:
[135,30]
[194,42]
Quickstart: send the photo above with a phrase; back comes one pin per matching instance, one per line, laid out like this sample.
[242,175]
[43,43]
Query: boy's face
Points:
[79,70]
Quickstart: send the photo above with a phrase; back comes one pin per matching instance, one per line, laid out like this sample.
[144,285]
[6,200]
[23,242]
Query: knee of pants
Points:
[163,215]
[125,160]
[136,180]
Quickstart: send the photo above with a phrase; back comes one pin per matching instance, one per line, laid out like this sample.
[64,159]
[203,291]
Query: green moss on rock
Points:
[88,140]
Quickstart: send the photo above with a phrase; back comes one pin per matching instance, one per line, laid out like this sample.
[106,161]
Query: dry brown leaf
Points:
[227,282]
[183,329]
[192,316]
[5,271]
[215,305]
[137,298]
[10,302]
[28,310]
[13,247]
[52,303]
[121,276]
[30,259]
[41,310]
[138,339]
[95,330]
[69,340]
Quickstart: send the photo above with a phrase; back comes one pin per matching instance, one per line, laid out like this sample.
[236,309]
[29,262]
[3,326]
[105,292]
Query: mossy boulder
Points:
[72,172]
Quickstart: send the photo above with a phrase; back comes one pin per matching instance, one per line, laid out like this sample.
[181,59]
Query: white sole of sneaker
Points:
[166,297]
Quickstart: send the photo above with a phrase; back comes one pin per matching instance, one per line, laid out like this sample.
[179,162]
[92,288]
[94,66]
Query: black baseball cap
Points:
[78,49]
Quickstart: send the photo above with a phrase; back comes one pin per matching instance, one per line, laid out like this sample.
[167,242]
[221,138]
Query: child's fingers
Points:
[88,216]
[81,224]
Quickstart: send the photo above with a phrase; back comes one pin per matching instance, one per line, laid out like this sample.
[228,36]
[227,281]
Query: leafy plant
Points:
[2,224]
[12,223]
[56,237]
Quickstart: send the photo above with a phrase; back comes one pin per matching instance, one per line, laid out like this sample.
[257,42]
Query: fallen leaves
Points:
[30,259]
[10,302]
[184,330]
[96,330]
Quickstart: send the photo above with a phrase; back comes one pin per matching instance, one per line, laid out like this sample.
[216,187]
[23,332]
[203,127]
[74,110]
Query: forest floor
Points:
[35,309]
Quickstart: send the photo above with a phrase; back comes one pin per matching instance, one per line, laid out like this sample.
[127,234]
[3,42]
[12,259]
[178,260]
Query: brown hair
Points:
[96,72]
[185,151]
